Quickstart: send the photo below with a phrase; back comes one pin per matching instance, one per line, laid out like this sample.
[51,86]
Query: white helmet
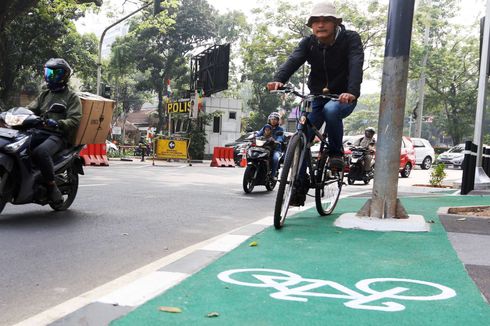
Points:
[274,115]
[323,9]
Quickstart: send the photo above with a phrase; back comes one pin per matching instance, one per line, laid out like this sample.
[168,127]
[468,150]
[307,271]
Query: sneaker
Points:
[337,163]
[297,199]
[54,194]
[298,196]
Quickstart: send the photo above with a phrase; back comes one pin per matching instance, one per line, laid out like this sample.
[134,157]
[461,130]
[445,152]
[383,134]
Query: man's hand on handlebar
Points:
[346,98]
[274,86]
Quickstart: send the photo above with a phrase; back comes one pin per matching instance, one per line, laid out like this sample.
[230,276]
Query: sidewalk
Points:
[313,273]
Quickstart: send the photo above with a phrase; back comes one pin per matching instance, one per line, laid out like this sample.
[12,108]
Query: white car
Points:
[454,156]
[424,153]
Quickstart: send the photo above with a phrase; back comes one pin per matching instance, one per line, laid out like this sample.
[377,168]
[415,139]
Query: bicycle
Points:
[326,181]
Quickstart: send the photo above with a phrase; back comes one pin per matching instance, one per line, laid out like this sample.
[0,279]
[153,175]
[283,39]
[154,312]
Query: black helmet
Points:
[56,73]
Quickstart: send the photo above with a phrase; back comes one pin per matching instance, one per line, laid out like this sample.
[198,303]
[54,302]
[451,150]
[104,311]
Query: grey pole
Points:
[480,175]
[384,202]
[420,106]
[99,56]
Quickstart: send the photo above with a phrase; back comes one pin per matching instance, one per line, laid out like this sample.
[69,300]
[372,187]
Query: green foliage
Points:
[486,139]
[437,175]
[279,29]
[451,71]
[159,45]
[197,134]
[33,31]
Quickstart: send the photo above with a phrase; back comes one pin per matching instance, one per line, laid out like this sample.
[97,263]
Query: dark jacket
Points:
[337,67]
[68,119]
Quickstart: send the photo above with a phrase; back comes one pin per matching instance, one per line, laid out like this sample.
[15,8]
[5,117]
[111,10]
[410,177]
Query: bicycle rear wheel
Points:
[288,175]
[328,189]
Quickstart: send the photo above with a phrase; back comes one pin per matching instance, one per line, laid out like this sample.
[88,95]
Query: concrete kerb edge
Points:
[70,311]
[444,212]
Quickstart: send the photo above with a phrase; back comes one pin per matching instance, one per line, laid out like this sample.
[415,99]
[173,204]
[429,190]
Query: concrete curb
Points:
[117,298]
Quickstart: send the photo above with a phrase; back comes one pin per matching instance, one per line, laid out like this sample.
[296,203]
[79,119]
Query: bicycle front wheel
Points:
[289,172]
[328,188]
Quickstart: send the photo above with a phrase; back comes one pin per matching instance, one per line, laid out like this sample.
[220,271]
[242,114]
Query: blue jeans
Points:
[276,156]
[331,112]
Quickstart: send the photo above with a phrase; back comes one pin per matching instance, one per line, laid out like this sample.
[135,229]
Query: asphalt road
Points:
[125,216]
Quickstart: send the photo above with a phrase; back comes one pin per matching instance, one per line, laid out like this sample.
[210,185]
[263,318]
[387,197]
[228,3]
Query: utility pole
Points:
[420,104]
[99,57]
[384,202]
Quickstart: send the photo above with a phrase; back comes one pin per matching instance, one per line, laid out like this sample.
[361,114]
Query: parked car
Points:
[424,153]
[453,157]
[407,157]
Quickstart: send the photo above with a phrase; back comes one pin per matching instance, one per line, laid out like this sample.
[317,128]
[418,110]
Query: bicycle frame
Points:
[303,124]
[297,153]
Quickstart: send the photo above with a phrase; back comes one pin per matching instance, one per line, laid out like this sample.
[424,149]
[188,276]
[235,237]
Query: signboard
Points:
[116,130]
[171,149]
[183,106]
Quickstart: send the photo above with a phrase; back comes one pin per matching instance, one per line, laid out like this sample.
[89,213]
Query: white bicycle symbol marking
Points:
[284,282]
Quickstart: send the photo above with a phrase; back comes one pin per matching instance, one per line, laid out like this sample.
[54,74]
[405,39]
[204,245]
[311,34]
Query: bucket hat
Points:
[322,9]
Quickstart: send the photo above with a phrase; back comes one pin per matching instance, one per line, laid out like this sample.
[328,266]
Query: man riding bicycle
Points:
[277,135]
[336,57]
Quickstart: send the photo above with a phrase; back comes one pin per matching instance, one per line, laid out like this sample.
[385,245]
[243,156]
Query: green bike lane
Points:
[314,273]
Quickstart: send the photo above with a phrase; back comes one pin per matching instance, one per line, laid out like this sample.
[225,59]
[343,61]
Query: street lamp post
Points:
[99,57]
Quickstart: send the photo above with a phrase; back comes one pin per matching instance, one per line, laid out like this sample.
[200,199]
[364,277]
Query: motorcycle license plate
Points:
[8,133]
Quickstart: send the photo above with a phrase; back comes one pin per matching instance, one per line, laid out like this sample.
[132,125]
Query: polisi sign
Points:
[182,106]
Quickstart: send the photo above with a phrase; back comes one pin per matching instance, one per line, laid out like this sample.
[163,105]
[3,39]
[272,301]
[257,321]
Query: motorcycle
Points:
[259,163]
[356,166]
[21,181]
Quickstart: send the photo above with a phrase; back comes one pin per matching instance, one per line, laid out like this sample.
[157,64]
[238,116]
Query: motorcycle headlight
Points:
[14,147]
[15,119]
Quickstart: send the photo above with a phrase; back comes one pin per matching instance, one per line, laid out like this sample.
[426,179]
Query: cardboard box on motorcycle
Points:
[96,119]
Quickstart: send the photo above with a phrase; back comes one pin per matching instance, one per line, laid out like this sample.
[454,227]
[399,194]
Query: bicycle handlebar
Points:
[286,90]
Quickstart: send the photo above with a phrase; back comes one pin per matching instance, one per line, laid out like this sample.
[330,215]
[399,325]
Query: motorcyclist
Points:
[369,143]
[142,146]
[62,110]
[277,133]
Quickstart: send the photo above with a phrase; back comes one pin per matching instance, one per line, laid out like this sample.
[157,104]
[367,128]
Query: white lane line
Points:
[143,289]
[226,243]
[264,221]
[94,185]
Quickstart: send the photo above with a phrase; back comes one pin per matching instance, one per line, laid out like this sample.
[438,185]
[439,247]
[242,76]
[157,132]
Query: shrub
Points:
[437,175]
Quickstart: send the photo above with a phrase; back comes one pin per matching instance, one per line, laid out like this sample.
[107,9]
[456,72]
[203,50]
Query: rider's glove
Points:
[52,123]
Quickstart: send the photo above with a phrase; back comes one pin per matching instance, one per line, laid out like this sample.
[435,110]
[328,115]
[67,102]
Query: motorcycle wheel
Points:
[366,180]
[248,179]
[68,188]
[350,181]
[270,184]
